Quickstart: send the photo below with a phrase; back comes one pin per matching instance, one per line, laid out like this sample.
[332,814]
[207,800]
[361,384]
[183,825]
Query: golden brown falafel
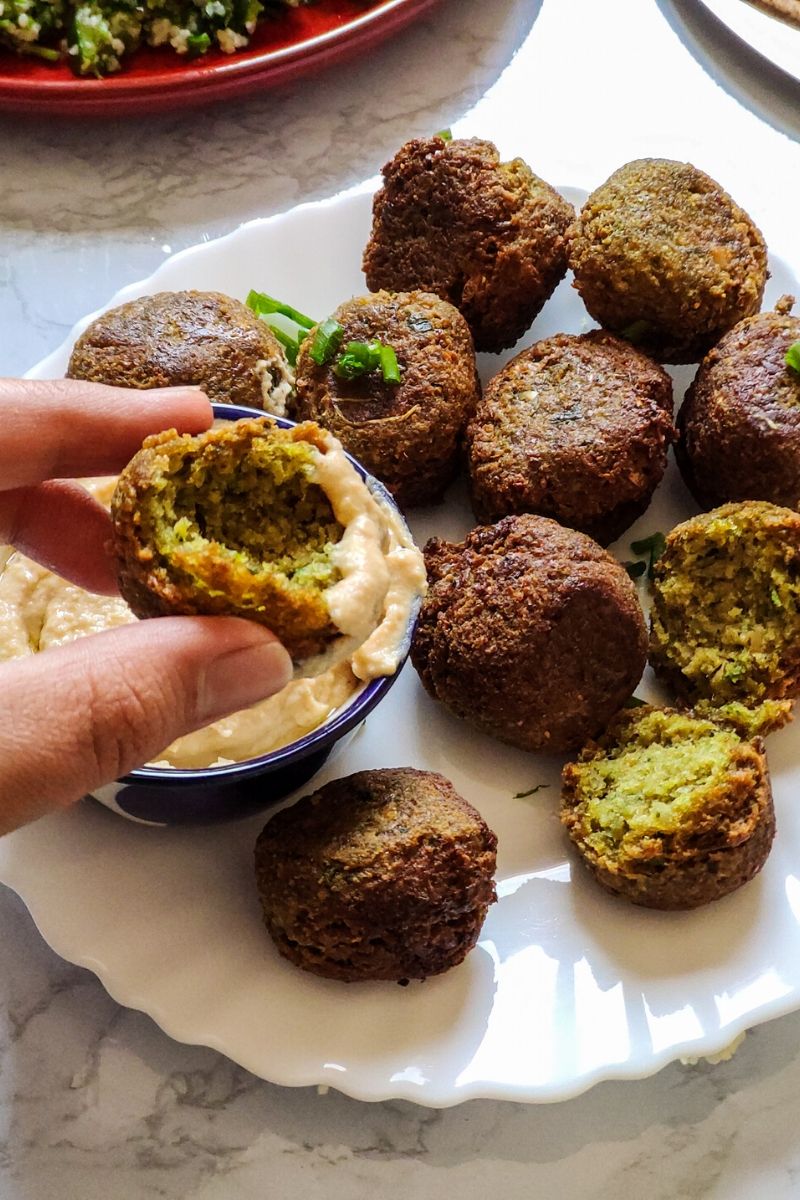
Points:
[725,617]
[663,256]
[406,434]
[670,810]
[530,632]
[230,522]
[740,422]
[383,875]
[201,338]
[573,428]
[487,236]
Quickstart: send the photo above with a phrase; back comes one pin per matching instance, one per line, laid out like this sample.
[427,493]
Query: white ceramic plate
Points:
[772,38]
[567,986]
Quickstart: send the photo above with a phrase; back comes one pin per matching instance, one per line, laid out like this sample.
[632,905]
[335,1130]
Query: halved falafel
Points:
[670,810]
[384,875]
[740,422]
[530,632]
[487,236]
[664,257]
[256,521]
[406,434]
[725,617]
[573,428]
[202,338]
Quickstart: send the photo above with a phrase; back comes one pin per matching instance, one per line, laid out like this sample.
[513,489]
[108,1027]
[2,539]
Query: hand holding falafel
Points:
[91,710]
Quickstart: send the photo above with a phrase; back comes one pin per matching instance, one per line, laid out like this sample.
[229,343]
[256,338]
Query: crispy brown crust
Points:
[573,428]
[407,435]
[201,338]
[384,875]
[154,587]
[740,422]
[727,845]
[662,251]
[786,10]
[487,236]
[784,525]
[530,632]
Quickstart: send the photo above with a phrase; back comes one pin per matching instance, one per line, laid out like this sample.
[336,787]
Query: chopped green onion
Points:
[635,332]
[524,795]
[654,546]
[389,365]
[357,358]
[327,341]
[635,569]
[445,134]
[262,305]
[793,356]
[288,332]
[634,702]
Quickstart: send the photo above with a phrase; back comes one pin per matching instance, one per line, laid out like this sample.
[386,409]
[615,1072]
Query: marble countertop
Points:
[95,1101]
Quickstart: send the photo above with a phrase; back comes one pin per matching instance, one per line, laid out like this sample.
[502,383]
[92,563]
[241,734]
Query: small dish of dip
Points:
[252,759]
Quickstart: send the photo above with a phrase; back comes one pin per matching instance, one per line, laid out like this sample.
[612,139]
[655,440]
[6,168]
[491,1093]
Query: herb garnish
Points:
[538,788]
[445,134]
[359,358]
[793,356]
[635,332]
[635,569]
[289,326]
[652,546]
[292,327]
[327,341]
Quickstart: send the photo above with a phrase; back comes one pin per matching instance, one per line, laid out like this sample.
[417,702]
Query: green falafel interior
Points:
[273,524]
[655,779]
[259,510]
[726,609]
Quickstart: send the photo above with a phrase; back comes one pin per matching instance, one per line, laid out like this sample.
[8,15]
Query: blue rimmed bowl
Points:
[176,796]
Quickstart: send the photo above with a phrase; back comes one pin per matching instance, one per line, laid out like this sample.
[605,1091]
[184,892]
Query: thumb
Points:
[82,714]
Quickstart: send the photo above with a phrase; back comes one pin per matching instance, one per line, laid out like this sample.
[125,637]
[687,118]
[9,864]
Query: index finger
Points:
[66,428]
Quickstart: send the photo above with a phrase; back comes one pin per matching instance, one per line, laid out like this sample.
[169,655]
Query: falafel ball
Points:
[488,236]
[201,338]
[740,422]
[573,428]
[664,257]
[725,617]
[382,875]
[530,632]
[406,434]
[670,810]
[242,521]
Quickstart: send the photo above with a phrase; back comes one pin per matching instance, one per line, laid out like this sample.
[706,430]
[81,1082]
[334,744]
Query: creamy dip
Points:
[382,571]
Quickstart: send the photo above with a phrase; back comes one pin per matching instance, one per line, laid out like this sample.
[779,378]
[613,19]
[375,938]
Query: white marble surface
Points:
[95,1102]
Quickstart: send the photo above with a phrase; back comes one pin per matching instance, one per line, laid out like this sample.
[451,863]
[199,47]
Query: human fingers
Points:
[65,428]
[59,525]
[82,714]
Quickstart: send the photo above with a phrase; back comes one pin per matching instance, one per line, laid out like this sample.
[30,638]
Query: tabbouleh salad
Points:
[96,35]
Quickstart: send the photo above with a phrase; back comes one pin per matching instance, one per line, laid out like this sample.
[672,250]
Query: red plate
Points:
[301,40]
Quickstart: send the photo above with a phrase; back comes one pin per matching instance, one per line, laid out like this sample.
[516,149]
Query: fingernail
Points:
[242,677]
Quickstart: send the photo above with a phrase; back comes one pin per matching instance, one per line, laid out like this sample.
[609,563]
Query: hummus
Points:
[382,572]
[39,609]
